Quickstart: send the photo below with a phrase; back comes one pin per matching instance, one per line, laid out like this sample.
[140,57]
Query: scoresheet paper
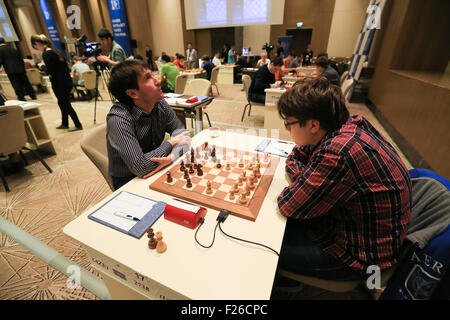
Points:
[126,203]
[275,147]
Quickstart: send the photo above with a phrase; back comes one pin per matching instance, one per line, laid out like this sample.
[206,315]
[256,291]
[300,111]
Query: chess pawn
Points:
[231,195]
[208,188]
[161,245]
[240,180]
[218,165]
[241,163]
[251,185]
[257,172]
[188,183]
[169,177]
[235,188]
[152,241]
[242,199]
[182,166]
[246,191]
[228,167]
[191,169]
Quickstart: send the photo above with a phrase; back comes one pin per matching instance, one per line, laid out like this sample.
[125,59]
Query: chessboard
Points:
[221,178]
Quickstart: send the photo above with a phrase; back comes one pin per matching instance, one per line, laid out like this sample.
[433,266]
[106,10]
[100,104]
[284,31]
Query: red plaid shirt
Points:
[353,193]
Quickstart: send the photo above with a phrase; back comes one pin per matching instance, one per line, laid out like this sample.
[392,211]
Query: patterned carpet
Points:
[42,203]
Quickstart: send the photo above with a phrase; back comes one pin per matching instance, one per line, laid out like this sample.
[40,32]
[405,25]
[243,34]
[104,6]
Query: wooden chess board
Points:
[222,180]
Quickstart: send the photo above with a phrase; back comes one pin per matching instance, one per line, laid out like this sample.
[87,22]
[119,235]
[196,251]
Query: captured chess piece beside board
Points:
[155,241]
[221,178]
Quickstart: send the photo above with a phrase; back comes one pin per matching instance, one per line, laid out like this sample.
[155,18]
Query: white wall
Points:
[348,18]
[28,22]
[165,22]
[255,37]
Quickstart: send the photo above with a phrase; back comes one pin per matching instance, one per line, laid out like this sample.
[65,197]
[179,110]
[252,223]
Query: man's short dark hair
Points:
[314,99]
[278,62]
[165,58]
[123,77]
[205,58]
[322,62]
[2,40]
[179,56]
[322,54]
[105,33]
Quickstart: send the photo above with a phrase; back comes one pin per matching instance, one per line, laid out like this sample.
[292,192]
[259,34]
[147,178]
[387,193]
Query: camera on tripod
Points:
[89,49]
[268,48]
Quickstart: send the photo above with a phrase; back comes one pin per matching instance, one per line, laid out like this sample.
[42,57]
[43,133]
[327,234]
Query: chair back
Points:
[344,76]
[198,87]
[89,78]
[180,83]
[34,76]
[12,130]
[159,65]
[214,75]
[345,87]
[247,81]
[93,144]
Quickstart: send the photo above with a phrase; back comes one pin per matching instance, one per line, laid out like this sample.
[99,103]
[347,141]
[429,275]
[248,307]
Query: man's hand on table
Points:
[162,162]
[180,139]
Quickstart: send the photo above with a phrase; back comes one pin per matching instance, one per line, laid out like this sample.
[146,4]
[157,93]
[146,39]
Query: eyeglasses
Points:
[287,124]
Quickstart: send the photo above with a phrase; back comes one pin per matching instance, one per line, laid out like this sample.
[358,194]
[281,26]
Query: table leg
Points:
[198,119]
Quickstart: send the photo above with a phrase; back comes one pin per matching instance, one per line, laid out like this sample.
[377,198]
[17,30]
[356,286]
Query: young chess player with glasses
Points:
[349,199]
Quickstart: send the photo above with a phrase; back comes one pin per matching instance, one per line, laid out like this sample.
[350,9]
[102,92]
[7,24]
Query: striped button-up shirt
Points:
[353,194]
[134,136]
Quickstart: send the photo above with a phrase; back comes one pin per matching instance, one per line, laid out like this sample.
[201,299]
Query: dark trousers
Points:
[63,96]
[21,85]
[302,256]
[120,181]
[257,97]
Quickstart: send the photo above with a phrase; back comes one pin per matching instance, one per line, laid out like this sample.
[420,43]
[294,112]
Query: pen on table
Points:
[126,216]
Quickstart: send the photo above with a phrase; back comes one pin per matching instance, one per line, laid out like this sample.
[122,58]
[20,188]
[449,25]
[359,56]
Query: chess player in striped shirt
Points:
[137,124]
[349,200]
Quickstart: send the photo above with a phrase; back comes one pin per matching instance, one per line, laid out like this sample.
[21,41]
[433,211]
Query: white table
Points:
[230,269]
[37,133]
[226,74]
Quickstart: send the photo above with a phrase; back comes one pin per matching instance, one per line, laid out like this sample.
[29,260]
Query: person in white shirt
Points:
[263,60]
[216,59]
[191,56]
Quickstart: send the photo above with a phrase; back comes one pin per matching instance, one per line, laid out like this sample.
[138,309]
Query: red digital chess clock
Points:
[184,213]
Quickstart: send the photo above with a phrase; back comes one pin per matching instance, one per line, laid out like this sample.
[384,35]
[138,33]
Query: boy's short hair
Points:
[165,58]
[105,33]
[123,77]
[278,62]
[205,58]
[322,62]
[314,99]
